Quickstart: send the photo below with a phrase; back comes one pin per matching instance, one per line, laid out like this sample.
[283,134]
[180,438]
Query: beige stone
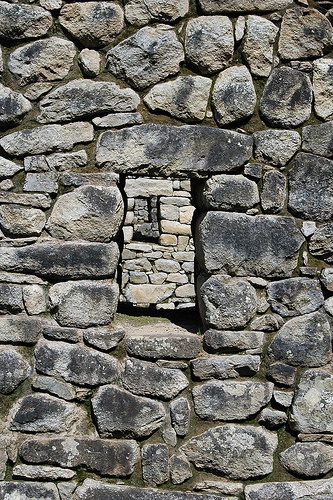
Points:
[186,214]
[168,239]
[148,294]
[175,228]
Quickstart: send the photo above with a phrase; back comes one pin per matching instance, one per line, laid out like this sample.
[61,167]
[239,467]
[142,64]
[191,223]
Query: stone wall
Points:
[117,118]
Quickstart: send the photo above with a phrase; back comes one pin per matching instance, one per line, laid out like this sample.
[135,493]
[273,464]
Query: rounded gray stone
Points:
[34,21]
[141,12]
[308,459]
[260,36]
[13,370]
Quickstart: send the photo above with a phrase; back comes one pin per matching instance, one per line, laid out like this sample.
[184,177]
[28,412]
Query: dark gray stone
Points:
[34,21]
[276,146]
[274,191]
[120,413]
[222,367]
[20,329]
[104,339]
[234,193]
[180,468]
[321,243]
[308,459]
[281,373]
[180,413]
[166,150]
[54,387]
[106,457]
[155,464]
[295,490]
[11,300]
[28,490]
[65,334]
[295,296]
[12,104]
[272,419]
[13,370]
[242,245]
[159,345]
[318,139]
[233,341]
[267,322]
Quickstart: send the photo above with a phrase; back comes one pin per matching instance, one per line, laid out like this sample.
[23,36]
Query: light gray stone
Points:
[118,120]
[186,151]
[10,298]
[234,451]
[104,339]
[326,278]
[13,369]
[318,139]
[233,341]
[180,412]
[239,244]
[147,294]
[55,387]
[85,98]
[277,146]
[209,43]
[8,168]
[274,191]
[90,62]
[48,59]
[224,487]
[28,490]
[147,57]
[120,413]
[185,98]
[272,419]
[321,242]
[42,182]
[230,6]
[295,296]
[222,367]
[180,468]
[234,96]
[156,344]
[34,21]
[45,472]
[141,12]
[12,104]
[155,464]
[260,36]
[20,329]
[308,459]
[228,192]
[287,98]
[295,490]
[323,88]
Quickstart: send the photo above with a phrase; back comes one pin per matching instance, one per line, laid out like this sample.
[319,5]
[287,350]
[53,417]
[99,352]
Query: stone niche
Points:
[158,255]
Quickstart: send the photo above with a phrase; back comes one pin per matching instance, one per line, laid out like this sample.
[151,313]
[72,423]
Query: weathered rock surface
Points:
[230,400]
[47,139]
[234,96]
[147,379]
[295,296]
[230,6]
[106,457]
[313,403]
[34,21]
[226,302]
[272,419]
[235,451]
[209,43]
[104,339]
[259,39]
[229,243]
[323,87]
[287,98]
[317,139]
[158,345]
[13,370]
[276,146]
[12,104]
[233,341]
[120,413]
[185,98]
[28,491]
[180,468]
[85,98]
[274,191]
[180,412]
[48,59]
[147,57]
[118,120]
[54,387]
[321,242]
[281,373]
[155,464]
[11,300]
[18,221]
[43,473]
[141,12]
[8,168]
[187,150]
[75,363]
[90,62]
[93,24]
[295,490]
[84,303]
[308,459]
[20,329]
[222,367]
[228,192]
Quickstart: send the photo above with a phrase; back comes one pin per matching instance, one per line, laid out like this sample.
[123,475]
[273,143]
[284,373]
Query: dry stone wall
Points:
[166,153]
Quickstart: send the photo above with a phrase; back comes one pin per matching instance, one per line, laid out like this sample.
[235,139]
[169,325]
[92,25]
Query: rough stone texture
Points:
[34,21]
[20,329]
[273,193]
[231,400]
[93,24]
[222,367]
[323,88]
[209,43]
[141,12]
[13,105]
[150,55]
[229,243]
[42,473]
[276,146]
[180,415]
[295,296]
[317,139]
[155,464]
[13,370]
[235,451]
[104,339]
[260,36]
[8,168]
[229,193]
[226,302]
[90,62]
[180,468]
[321,242]
[308,459]
[230,6]
[296,490]
[165,150]
[287,98]
[29,490]
[233,341]
[158,345]
[234,96]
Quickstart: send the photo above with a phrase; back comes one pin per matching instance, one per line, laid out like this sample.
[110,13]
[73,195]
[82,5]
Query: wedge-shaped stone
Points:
[242,245]
[20,329]
[13,369]
[8,168]
[47,139]
[120,413]
[323,87]
[222,367]
[29,491]
[106,457]
[12,104]
[295,296]
[167,150]
[229,6]
[75,363]
[276,146]
[235,451]
[141,12]
[62,260]
[230,400]
[34,21]
[155,345]
[86,98]
[295,490]
[308,459]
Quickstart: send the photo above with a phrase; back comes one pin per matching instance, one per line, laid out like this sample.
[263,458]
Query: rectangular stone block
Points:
[146,187]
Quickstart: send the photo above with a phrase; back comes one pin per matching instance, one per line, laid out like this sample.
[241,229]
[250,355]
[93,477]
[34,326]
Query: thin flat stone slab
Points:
[243,245]
[167,150]
[229,6]
[295,490]
[28,490]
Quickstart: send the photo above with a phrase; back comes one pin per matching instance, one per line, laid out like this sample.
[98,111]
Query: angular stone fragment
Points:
[209,43]
[180,412]
[287,98]
[120,413]
[323,88]
[295,490]
[313,403]
[85,98]
[229,243]
[234,451]
[118,120]
[34,21]
[226,302]
[106,457]
[229,6]
[223,486]
[147,57]
[233,341]
[303,341]
[92,213]
[90,62]
[222,367]
[11,300]
[281,373]
[272,419]
[42,472]
[141,12]
[42,182]
[258,45]
[311,187]
[75,363]
[231,400]
[228,192]
[20,329]
[13,369]
[43,413]
[308,459]
[28,490]
[304,33]
[318,139]
[47,139]
[147,379]
[93,24]
[84,303]
[8,168]
[180,468]
[276,146]
[54,387]
[185,98]
[148,294]
[155,464]
[183,151]
[321,243]
[48,59]
[18,221]
[62,260]
[103,338]
[274,191]
[295,296]
[12,104]
[234,96]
